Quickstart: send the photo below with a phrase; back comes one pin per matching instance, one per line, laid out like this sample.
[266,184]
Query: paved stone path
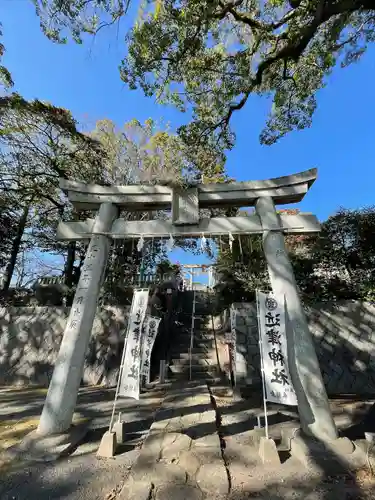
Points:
[201,447]
[181,457]
[290,479]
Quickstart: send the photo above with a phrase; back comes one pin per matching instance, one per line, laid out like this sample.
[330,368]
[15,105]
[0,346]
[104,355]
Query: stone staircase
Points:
[203,354]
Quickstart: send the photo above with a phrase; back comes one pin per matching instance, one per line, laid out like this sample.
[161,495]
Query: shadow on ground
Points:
[82,475]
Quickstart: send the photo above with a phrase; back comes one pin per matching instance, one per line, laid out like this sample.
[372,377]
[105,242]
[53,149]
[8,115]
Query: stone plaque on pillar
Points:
[185,207]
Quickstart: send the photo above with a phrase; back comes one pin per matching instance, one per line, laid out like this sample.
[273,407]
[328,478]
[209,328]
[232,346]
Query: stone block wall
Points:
[344,336]
[30,338]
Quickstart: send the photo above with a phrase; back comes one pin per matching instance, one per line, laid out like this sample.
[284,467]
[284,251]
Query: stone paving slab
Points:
[181,457]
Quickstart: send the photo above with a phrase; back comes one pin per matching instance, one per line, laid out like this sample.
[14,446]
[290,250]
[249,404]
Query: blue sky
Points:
[85,79]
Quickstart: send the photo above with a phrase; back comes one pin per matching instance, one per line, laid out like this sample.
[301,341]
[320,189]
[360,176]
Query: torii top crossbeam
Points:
[185,204]
[283,190]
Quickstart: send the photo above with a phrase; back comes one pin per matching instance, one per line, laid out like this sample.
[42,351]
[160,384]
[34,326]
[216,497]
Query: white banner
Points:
[233,342]
[150,326]
[131,362]
[273,347]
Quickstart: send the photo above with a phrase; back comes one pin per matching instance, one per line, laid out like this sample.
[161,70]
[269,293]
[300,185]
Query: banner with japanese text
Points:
[232,341]
[273,347]
[131,362]
[150,329]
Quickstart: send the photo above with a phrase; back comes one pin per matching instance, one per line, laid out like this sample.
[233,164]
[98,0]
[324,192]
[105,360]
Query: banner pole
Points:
[262,368]
[121,367]
[124,355]
[233,345]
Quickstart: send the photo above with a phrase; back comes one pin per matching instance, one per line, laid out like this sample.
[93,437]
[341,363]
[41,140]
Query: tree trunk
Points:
[15,249]
[69,265]
[69,272]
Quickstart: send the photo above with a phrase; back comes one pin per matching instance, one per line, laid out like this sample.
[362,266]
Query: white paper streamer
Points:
[231,239]
[203,242]
[140,243]
[170,243]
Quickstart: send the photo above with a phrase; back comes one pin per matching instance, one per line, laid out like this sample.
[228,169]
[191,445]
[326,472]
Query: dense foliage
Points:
[213,55]
[39,144]
[337,264]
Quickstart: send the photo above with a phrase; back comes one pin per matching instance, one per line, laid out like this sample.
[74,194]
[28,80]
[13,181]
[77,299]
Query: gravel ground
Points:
[82,476]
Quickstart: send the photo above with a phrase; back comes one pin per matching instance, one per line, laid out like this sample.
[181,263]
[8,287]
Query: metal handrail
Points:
[192,336]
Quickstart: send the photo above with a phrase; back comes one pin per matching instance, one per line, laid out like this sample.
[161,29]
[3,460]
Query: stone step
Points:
[212,378]
[195,355]
[205,342]
[181,368]
[184,347]
[196,335]
[196,360]
[178,351]
[184,338]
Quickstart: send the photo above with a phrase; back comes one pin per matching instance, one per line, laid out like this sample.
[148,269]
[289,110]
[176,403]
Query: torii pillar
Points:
[313,405]
[62,393]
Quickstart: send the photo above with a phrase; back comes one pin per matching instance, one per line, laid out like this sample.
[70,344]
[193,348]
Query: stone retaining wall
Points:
[344,335]
[30,338]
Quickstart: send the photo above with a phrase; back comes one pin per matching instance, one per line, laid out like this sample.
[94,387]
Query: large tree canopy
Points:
[148,153]
[213,55]
[39,143]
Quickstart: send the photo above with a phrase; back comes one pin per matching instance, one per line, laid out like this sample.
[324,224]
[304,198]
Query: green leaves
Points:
[337,264]
[210,56]
[39,143]
[5,76]
[77,17]
[151,153]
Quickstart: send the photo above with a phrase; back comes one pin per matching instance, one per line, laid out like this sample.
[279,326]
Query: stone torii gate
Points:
[314,411]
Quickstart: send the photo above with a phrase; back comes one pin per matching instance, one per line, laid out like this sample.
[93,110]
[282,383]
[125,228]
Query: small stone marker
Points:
[107,445]
[268,452]
[370,437]
[119,430]
[162,371]
[287,434]
[342,446]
